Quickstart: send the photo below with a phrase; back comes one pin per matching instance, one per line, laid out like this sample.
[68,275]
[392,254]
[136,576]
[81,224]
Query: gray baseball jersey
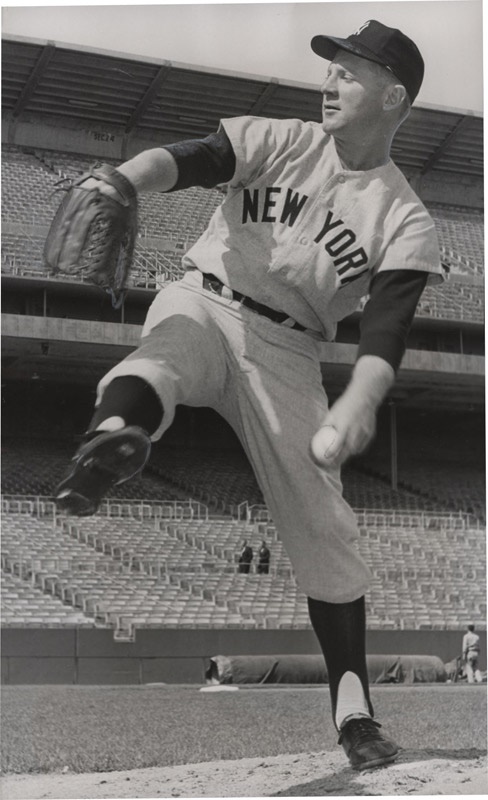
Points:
[303,235]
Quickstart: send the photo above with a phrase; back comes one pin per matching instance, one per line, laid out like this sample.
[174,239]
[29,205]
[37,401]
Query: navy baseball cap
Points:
[387,46]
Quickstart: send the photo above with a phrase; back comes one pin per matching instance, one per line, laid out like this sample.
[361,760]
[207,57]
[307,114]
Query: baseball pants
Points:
[473,673]
[200,349]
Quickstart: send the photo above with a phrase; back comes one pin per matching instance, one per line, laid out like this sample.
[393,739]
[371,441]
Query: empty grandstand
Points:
[161,553]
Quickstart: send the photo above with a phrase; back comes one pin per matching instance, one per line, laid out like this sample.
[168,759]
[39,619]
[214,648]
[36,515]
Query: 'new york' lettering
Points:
[270,205]
[264,206]
[349,265]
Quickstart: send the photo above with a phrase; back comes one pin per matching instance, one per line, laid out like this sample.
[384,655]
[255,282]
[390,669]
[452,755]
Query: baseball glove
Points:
[93,236]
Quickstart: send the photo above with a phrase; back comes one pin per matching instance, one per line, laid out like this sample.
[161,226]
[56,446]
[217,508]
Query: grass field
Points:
[103,728]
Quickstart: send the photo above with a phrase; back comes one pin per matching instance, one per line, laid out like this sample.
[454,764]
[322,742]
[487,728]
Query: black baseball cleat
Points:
[107,459]
[364,745]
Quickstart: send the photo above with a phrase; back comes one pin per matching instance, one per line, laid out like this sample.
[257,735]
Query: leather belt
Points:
[213,284]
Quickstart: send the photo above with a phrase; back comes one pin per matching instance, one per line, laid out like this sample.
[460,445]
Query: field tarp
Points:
[311,669]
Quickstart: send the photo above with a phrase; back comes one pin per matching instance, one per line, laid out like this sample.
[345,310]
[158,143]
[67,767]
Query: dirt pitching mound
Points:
[435,772]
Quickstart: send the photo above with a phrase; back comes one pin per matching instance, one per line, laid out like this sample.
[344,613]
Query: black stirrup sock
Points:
[341,631]
[132,399]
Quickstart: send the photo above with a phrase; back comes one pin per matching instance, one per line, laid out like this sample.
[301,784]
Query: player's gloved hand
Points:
[103,188]
[92,235]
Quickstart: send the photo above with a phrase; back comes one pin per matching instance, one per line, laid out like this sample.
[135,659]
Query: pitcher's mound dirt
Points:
[435,772]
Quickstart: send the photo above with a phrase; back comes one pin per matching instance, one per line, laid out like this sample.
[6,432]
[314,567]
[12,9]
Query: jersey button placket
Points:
[286,256]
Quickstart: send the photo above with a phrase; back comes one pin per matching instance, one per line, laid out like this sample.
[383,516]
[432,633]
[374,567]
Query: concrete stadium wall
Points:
[126,336]
[91,656]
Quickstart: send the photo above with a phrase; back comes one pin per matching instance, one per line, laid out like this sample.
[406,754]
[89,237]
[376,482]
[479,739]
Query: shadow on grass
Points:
[347,782]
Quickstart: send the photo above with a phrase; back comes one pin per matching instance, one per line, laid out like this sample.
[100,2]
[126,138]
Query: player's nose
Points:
[329,85]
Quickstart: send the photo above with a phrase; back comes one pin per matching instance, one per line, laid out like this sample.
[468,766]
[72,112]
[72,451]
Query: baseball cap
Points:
[387,46]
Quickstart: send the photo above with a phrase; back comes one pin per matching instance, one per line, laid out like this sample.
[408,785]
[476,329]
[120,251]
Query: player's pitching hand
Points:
[347,430]
[350,424]
[325,445]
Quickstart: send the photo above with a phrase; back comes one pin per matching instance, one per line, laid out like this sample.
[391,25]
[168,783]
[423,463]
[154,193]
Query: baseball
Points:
[322,442]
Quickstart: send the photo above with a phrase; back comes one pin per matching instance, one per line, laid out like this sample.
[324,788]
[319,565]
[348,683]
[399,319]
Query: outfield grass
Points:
[101,728]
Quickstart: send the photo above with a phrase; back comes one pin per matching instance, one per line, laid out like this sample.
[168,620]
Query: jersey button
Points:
[304,240]
[342,179]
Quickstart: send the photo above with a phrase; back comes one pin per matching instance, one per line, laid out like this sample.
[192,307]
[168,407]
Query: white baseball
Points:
[322,442]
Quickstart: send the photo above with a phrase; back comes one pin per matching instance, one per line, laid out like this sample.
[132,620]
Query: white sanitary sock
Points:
[351,701]
[111,424]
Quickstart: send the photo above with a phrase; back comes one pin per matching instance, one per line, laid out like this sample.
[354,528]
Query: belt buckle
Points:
[214,285]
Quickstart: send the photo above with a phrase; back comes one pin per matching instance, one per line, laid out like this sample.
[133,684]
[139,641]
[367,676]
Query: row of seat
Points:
[225,480]
[463,231]
[451,302]
[442,482]
[28,180]
[158,577]
[22,255]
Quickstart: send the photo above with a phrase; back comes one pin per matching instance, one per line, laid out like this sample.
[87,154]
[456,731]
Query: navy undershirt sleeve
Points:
[203,162]
[389,312]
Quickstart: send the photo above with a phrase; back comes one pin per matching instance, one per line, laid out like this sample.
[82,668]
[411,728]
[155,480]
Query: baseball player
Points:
[471,655]
[315,217]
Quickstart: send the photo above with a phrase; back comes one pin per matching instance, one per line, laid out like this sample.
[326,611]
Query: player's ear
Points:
[394,96]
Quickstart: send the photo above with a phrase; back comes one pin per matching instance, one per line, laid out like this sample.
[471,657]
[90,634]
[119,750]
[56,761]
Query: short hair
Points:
[471,627]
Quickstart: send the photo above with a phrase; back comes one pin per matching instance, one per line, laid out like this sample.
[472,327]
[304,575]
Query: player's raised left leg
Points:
[116,446]
[180,360]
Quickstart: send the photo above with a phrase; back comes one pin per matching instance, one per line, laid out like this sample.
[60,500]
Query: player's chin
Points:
[329,125]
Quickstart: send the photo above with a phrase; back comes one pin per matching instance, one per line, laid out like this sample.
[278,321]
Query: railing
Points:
[156,268]
[163,510]
[461,263]
[42,506]
[381,518]
[33,505]
[418,519]
[252,513]
[158,510]
[13,265]
[149,272]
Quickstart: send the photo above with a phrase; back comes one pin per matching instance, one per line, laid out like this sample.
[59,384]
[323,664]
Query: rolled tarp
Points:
[311,669]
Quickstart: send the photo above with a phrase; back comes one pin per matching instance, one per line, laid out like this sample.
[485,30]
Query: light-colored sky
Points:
[271,39]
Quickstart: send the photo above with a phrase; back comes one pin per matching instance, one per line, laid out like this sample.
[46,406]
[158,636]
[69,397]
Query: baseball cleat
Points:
[108,459]
[364,745]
